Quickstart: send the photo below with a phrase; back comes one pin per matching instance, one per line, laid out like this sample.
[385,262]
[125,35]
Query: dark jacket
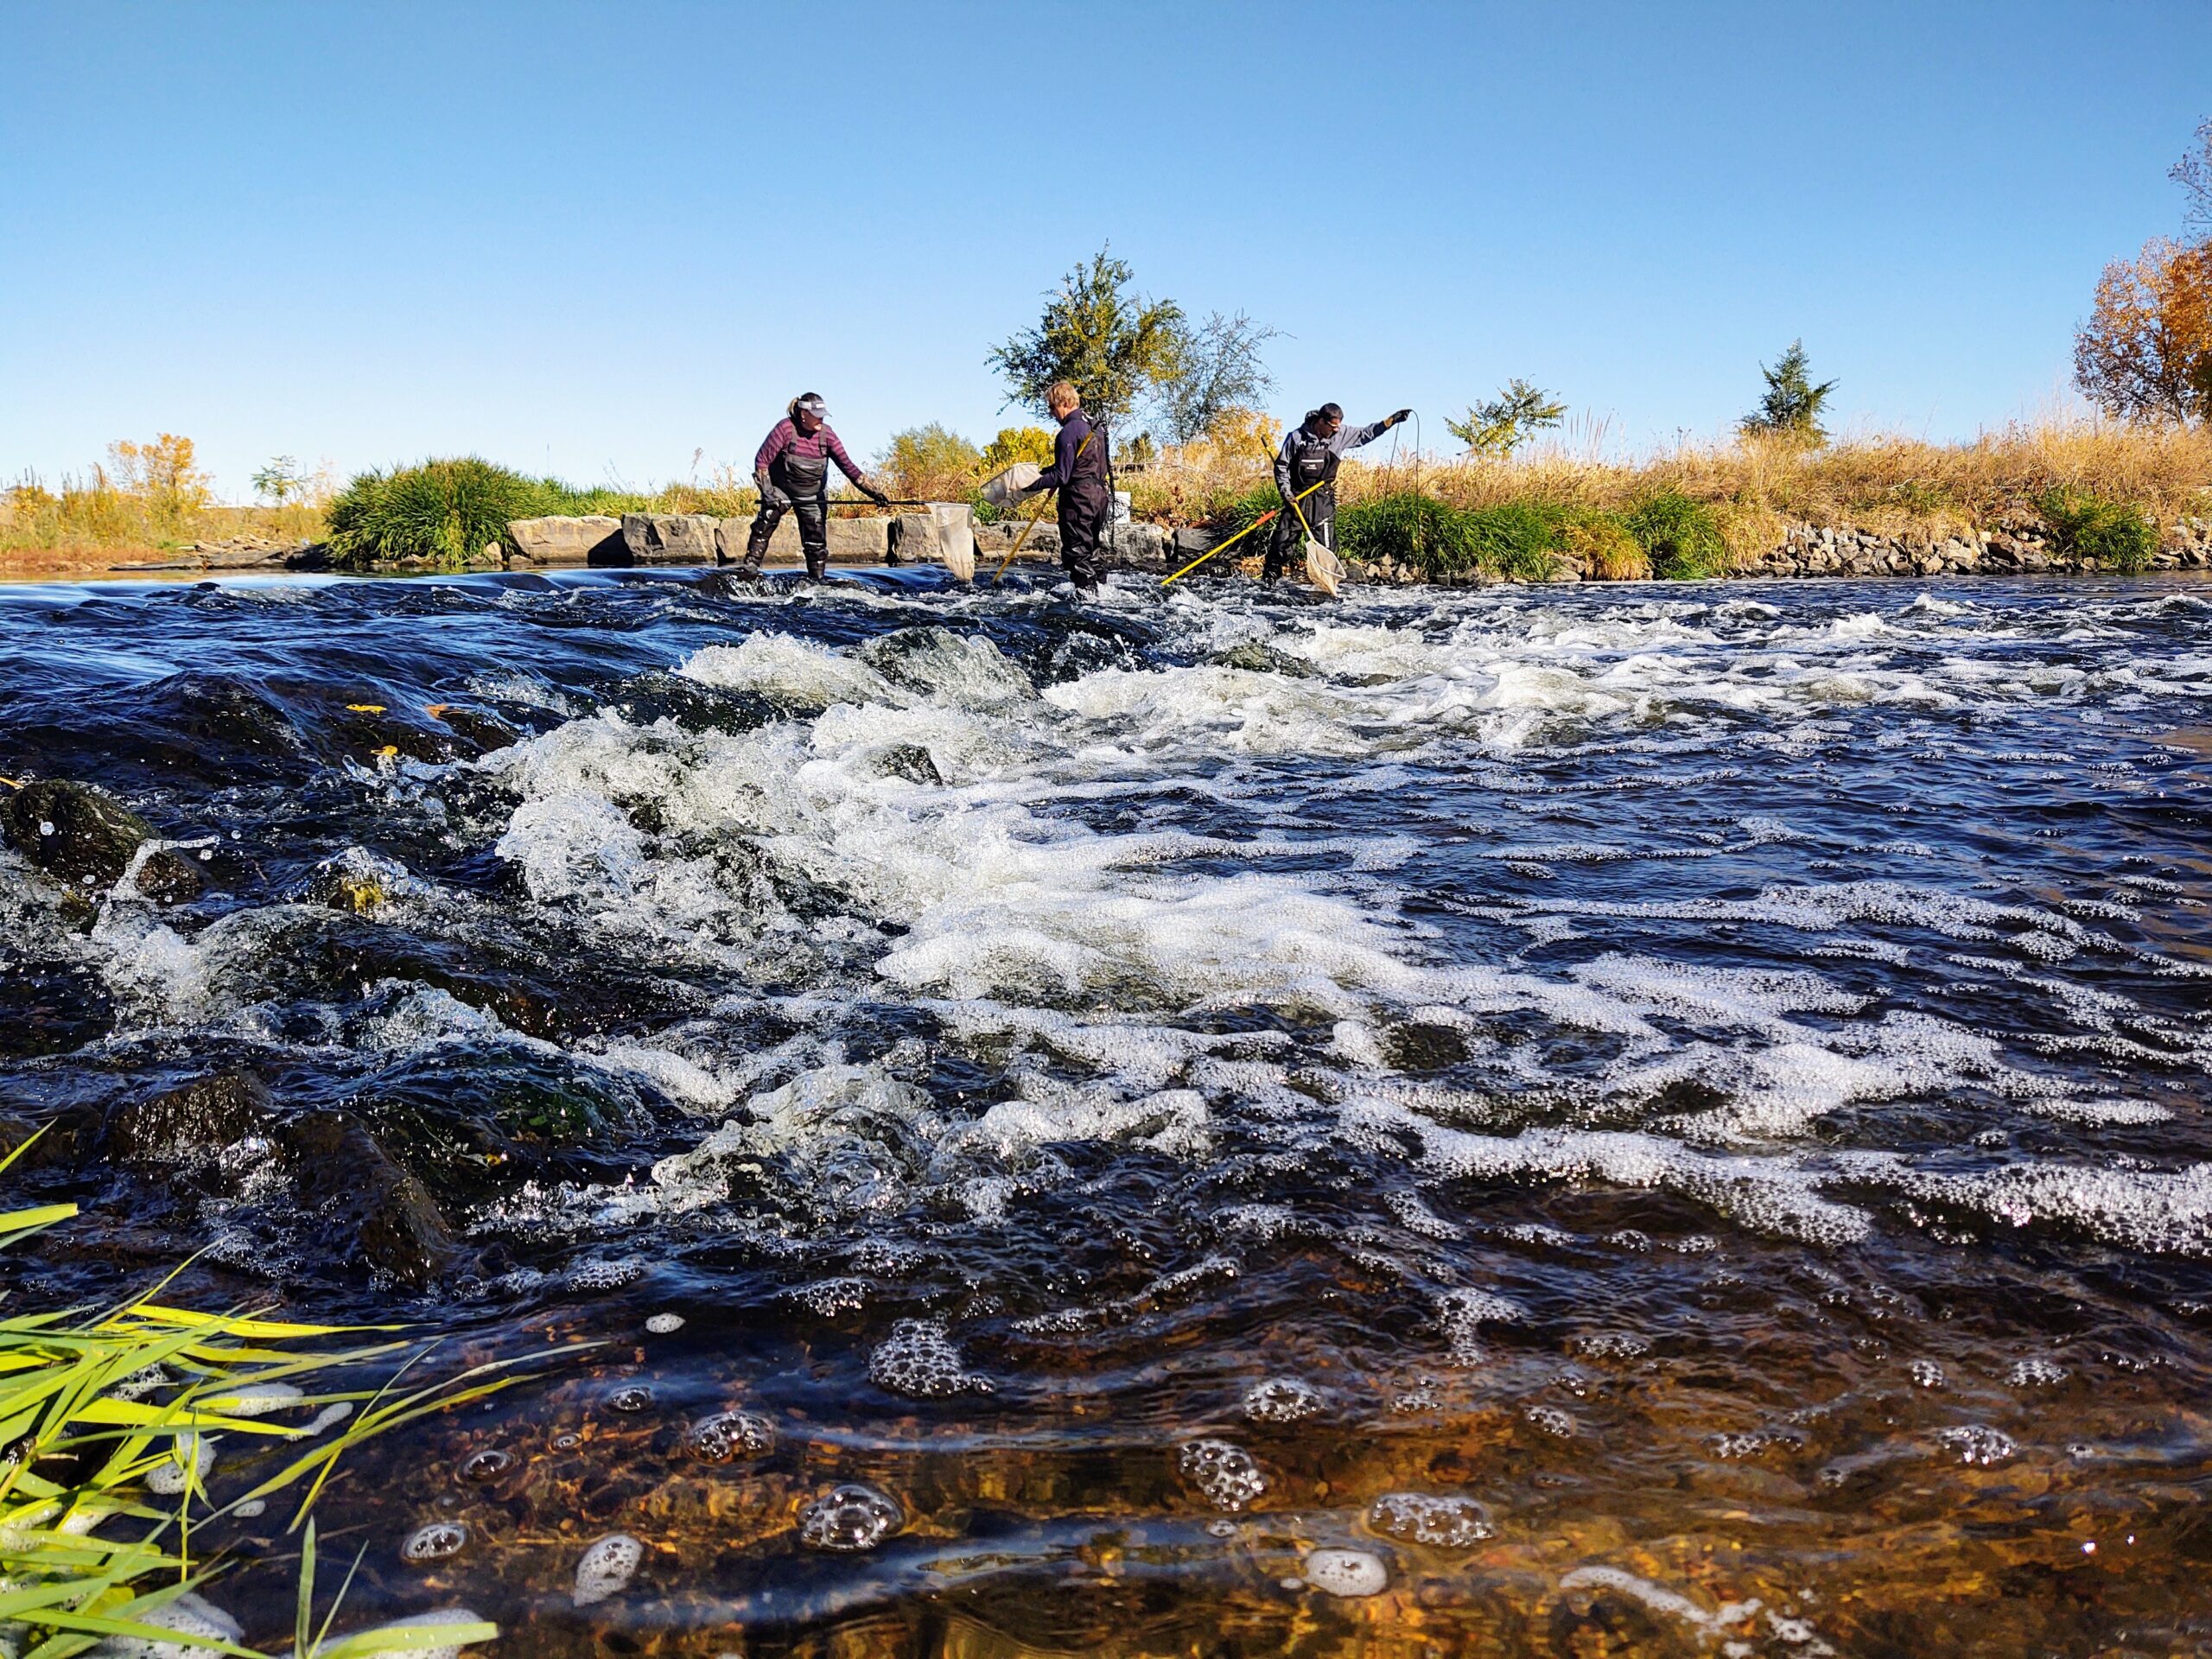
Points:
[1078,469]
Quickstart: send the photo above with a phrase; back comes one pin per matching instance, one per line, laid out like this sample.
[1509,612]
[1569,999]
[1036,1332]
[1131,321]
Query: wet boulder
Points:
[167,877]
[63,1141]
[365,1207]
[78,834]
[1256,658]
[692,704]
[50,1008]
[963,669]
[478,728]
[192,1122]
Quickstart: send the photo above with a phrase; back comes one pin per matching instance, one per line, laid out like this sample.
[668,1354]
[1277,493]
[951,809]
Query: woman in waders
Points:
[792,472]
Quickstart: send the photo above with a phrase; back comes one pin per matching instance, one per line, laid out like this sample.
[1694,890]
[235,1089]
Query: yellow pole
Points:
[1222,547]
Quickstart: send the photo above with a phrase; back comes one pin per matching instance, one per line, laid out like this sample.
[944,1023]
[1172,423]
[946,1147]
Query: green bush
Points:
[2114,534]
[1679,536]
[1242,512]
[1515,539]
[1415,530]
[1601,543]
[440,513]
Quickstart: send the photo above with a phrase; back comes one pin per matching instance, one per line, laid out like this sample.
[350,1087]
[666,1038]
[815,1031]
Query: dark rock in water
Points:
[68,1139]
[737,582]
[692,704]
[169,878]
[49,1008]
[72,831]
[1421,1047]
[364,1205]
[965,668]
[362,735]
[226,714]
[1256,658]
[191,1122]
[911,761]
[485,731]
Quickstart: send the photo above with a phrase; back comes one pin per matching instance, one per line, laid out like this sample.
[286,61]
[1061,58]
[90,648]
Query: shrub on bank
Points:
[442,514]
[2113,533]
[1601,545]
[1679,537]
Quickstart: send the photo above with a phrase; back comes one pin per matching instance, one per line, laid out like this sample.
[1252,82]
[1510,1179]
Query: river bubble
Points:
[1978,1445]
[849,1519]
[633,1398]
[487,1465]
[1225,1474]
[606,1567]
[437,1542]
[1349,1572]
[1282,1399]
[921,1361]
[1440,1519]
[728,1435]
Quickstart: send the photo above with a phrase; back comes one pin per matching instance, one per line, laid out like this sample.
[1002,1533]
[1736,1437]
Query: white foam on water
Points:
[1711,1622]
[416,1621]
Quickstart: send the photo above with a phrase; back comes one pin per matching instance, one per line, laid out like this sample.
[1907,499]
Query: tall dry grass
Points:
[99,513]
[1888,485]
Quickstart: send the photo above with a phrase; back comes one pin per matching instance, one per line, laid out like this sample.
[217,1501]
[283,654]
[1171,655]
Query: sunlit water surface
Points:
[1647,1119]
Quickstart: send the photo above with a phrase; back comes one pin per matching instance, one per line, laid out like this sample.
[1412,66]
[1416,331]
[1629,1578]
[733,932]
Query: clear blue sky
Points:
[595,239]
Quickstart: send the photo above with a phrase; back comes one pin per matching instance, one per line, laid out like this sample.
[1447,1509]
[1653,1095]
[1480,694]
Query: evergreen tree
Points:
[1113,345]
[1793,405]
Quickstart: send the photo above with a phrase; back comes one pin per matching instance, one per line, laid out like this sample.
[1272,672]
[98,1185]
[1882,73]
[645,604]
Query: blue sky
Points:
[593,239]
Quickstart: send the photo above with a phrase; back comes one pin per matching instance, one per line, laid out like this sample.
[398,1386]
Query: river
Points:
[1632,1119]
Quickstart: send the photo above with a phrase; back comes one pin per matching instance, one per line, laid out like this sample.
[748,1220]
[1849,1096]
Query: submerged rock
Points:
[1256,658]
[368,1206]
[192,1121]
[963,669]
[81,835]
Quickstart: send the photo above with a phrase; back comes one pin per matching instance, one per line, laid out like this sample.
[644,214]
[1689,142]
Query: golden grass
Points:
[1888,485]
[96,516]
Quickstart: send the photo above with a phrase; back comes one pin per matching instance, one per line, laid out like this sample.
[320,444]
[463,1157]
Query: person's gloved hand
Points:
[875,492]
[1400,417]
[770,495]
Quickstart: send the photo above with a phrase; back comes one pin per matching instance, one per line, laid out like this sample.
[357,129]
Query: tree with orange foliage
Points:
[164,473]
[2145,352]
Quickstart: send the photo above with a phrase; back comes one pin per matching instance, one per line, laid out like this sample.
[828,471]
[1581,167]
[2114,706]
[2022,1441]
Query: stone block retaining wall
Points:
[2017,544]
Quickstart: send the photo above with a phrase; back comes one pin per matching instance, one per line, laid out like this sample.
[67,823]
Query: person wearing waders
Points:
[1310,454]
[792,472]
[1079,472]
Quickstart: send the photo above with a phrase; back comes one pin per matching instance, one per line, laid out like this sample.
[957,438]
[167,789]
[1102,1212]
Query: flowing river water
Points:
[1641,1119]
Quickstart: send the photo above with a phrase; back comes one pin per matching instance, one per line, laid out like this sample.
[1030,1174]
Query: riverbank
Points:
[2057,497]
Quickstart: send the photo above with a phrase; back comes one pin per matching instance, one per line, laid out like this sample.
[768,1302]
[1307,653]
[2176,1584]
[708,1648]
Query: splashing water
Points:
[1638,1098]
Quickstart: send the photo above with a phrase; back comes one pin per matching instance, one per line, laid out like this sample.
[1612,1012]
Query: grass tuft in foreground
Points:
[109,1421]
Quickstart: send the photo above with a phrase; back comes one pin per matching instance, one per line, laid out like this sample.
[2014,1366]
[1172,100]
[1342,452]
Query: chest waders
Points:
[1313,466]
[804,481]
[1085,500]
